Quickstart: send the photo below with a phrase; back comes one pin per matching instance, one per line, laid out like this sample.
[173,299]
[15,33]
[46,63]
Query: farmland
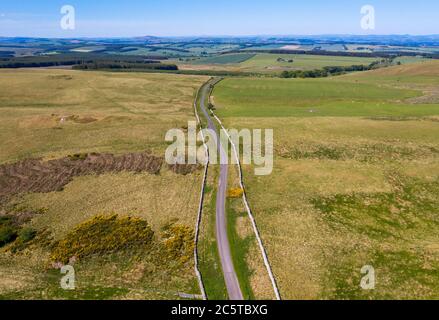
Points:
[83,180]
[355,179]
[332,97]
[274,62]
[101,141]
[266,63]
[226,59]
[271,64]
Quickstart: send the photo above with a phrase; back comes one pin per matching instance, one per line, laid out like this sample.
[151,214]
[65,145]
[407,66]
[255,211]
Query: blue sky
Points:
[111,18]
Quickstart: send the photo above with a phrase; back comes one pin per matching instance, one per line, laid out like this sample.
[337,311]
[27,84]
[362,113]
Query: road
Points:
[230,277]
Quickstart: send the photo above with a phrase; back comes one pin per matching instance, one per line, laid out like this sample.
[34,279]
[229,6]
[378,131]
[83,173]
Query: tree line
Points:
[335,70]
[88,61]
[101,65]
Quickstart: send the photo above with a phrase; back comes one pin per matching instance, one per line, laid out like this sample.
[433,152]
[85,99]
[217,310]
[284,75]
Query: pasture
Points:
[334,97]
[275,62]
[354,184]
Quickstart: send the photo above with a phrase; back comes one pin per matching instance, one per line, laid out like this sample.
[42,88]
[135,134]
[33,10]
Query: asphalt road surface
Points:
[230,277]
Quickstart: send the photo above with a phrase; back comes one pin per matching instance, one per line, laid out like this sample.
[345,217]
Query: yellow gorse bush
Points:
[235,193]
[102,234]
[178,241]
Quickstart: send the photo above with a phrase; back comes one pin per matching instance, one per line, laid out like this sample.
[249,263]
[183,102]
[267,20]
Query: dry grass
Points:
[157,198]
[425,68]
[55,113]
[133,111]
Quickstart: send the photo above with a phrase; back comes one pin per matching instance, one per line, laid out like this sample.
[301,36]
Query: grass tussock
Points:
[13,235]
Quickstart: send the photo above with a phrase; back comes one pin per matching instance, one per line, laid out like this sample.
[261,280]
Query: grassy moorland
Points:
[355,181]
[53,113]
[78,117]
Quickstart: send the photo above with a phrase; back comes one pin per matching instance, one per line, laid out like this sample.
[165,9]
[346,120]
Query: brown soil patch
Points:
[34,175]
[184,169]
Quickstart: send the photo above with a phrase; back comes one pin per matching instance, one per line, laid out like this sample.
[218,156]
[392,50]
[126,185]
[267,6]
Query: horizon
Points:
[227,36]
[193,18]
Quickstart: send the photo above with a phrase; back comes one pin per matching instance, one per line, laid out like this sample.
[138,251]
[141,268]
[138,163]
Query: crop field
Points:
[355,182]
[76,147]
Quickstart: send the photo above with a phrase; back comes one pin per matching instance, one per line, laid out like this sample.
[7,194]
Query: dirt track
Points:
[35,175]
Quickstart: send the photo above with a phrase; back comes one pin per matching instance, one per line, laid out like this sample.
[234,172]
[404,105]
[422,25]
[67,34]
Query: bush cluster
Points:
[101,235]
[235,193]
[178,241]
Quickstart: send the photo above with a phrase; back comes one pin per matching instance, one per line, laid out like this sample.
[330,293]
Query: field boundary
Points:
[200,208]
[250,214]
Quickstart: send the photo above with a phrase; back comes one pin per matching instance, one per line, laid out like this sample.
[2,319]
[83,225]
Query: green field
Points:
[355,182]
[243,97]
[270,63]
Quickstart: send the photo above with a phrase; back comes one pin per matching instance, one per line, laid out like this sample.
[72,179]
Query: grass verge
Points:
[239,248]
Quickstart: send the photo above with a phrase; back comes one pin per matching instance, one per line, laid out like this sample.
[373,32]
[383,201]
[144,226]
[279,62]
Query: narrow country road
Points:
[230,277]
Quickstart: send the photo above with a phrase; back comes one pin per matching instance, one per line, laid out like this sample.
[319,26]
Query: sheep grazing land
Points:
[355,181]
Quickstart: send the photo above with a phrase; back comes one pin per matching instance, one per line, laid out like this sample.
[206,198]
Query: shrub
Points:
[78,156]
[103,235]
[178,241]
[235,193]
[26,235]
[7,235]
[5,220]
